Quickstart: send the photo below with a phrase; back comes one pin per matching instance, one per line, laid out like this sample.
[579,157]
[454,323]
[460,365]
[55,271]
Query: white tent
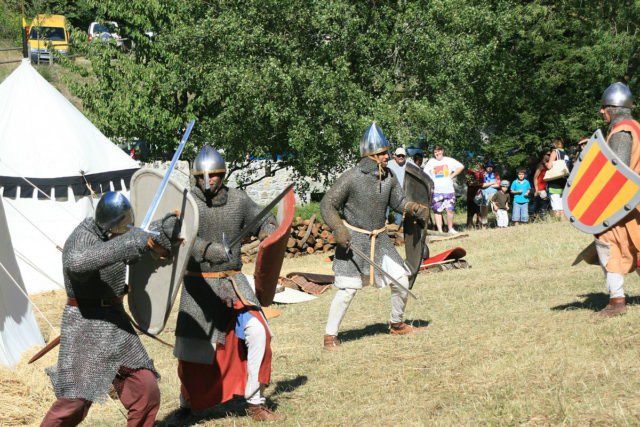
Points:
[45,142]
[18,328]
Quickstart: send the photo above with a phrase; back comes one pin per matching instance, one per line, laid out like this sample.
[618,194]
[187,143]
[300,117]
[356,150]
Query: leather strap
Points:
[374,235]
[212,274]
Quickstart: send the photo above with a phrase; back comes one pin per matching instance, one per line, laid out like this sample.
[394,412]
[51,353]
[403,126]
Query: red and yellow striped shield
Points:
[601,190]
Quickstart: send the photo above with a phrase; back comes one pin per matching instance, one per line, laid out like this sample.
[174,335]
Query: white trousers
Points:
[614,282]
[502,217]
[255,336]
[347,288]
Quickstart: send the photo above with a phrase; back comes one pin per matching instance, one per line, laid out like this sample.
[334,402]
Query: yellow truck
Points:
[47,32]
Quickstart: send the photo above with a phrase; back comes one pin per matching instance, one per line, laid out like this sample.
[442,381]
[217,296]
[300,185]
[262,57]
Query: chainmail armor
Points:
[361,199]
[95,342]
[621,142]
[203,313]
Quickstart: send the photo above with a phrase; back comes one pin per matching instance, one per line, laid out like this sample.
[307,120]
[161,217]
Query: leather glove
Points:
[342,236]
[215,254]
[417,211]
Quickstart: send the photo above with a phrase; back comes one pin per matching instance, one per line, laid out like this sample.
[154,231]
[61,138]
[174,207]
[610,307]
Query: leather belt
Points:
[89,302]
[212,274]
[374,235]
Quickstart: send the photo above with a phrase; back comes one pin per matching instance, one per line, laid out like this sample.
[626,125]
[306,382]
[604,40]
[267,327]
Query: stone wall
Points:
[262,192]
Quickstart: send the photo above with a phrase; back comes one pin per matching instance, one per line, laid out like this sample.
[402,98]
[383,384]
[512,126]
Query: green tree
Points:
[300,81]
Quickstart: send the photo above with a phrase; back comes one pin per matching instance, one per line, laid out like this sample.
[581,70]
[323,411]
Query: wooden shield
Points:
[271,252]
[154,283]
[418,188]
[601,190]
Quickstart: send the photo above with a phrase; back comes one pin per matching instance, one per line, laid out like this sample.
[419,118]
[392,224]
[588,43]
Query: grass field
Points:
[510,341]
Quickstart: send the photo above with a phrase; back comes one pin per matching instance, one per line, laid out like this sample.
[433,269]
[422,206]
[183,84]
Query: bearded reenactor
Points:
[354,207]
[98,345]
[223,342]
[618,246]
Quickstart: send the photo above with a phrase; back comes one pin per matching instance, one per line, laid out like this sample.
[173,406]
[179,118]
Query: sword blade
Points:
[163,185]
[258,218]
[380,269]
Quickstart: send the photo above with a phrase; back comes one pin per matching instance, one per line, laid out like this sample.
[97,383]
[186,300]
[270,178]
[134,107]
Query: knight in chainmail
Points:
[354,207]
[618,246]
[98,345]
[222,337]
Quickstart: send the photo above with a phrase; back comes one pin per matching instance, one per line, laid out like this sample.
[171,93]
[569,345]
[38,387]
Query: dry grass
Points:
[509,341]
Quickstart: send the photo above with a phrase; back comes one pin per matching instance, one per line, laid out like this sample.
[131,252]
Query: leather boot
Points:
[331,343]
[616,307]
[402,328]
[262,413]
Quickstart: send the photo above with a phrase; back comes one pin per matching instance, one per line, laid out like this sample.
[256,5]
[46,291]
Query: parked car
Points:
[48,32]
[105,32]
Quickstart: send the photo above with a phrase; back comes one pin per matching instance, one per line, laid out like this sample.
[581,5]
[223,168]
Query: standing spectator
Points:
[556,186]
[490,185]
[418,158]
[500,204]
[521,188]
[581,144]
[442,170]
[397,166]
[474,184]
[541,198]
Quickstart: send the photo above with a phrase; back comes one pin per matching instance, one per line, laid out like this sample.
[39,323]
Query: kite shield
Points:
[154,284]
[271,252]
[418,187]
[601,189]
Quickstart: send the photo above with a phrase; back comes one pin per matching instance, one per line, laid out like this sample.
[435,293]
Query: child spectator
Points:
[521,188]
[500,204]
[541,198]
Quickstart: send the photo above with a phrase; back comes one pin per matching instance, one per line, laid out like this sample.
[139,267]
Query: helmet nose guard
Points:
[207,162]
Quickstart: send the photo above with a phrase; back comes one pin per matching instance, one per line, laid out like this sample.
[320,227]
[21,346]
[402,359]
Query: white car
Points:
[105,32]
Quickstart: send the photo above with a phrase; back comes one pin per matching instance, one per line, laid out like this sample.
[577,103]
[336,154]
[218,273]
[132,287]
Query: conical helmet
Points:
[114,213]
[617,95]
[373,141]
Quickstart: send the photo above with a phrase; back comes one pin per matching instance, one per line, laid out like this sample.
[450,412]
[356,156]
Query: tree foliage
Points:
[300,81]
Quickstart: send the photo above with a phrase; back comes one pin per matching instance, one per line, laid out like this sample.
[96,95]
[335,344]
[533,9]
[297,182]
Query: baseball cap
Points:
[400,152]
[504,183]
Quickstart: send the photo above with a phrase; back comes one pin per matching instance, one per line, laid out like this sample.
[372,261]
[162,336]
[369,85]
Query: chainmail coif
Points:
[203,313]
[95,342]
[360,196]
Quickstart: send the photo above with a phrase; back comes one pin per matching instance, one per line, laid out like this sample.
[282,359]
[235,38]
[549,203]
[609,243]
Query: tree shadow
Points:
[594,301]
[376,329]
[235,407]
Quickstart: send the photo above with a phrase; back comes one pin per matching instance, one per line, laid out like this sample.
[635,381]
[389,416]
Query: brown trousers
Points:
[137,389]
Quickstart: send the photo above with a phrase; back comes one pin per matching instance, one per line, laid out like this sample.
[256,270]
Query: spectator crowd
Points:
[534,193]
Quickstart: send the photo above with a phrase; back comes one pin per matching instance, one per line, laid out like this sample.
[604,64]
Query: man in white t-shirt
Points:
[442,170]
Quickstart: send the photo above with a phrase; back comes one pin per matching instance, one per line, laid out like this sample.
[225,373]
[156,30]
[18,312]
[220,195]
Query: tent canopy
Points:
[44,139]
[49,141]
